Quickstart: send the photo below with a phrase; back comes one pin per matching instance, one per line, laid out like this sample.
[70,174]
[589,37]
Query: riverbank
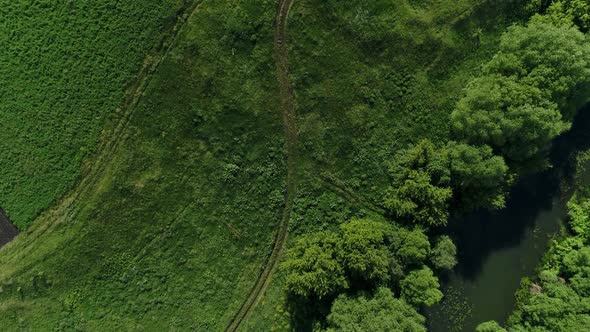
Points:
[555,298]
[7,230]
[497,249]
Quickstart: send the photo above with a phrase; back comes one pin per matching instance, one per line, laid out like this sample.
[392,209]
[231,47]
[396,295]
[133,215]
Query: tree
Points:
[365,254]
[381,312]
[421,287]
[510,116]
[524,98]
[416,198]
[422,156]
[554,59]
[490,326]
[314,266]
[411,246]
[478,177]
[425,178]
[568,13]
[444,254]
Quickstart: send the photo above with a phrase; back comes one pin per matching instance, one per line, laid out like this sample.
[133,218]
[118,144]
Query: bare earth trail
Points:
[290,125]
[95,167]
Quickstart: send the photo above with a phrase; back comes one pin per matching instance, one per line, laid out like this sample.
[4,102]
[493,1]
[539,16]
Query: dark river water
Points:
[497,249]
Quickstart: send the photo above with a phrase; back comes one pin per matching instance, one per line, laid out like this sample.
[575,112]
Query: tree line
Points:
[374,274]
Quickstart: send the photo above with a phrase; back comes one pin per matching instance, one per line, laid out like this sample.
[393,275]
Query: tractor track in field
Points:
[289,115]
[111,137]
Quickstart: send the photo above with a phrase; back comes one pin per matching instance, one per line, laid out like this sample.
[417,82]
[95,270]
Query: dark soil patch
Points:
[7,230]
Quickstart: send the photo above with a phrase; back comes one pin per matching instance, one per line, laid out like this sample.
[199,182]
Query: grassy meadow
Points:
[162,242]
[65,68]
[180,218]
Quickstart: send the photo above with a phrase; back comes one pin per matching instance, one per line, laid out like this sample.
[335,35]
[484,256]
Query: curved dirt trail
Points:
[290,126]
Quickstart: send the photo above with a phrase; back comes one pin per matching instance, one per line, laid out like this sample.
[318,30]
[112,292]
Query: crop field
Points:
[168,162]
[65,68]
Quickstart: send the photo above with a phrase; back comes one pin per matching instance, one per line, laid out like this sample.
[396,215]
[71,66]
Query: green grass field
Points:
[65,69]
[162,205]
[173,228]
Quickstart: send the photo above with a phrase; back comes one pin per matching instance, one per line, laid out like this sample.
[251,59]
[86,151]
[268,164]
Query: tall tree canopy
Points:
[380,313]
[314,265]
[365,254]
[419,190]
[444,254]
[522,100]
[421,287]
[426,179]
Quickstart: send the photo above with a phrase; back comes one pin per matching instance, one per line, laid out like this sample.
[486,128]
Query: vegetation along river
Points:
[497,249]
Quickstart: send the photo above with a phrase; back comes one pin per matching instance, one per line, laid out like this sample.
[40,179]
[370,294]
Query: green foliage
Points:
[315,266]
[411,246]
[501,111]
[417,199]
[379,313]
[419,192]
[426,179]
[421,287]
[522,100]
[478,177]
[65,67]
[490,326]
[374,252]
[556,60]
[368,253]
[365,254]
[566,12]
[560,300]
[579,216]
[444,254]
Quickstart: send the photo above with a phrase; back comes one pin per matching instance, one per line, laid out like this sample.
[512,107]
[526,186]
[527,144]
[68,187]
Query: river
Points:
[497,249]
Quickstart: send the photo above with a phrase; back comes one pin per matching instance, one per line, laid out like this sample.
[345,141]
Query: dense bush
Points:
[315,266]
[421,287]
[522,100]
[426,179]
[563,12]
[366,253]
[444,253]
[379,312]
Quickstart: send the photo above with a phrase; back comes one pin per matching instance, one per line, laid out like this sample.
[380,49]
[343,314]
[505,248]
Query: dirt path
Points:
[290,125]
[114,133]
